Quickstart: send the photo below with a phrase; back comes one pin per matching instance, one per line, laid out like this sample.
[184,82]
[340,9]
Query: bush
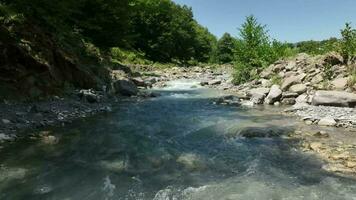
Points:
[348,43]
[255,51]
[128,57]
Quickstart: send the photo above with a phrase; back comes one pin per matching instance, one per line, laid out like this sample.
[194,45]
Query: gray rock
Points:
[317,79]
[289,95]
[215,82]
[339,83]
[125,87]
[274,95]
[265,83]
[334,98]
[258,94]
[303,98]
[288,101]
[139,81]
[89,95]
[299,88]
[289,81]
[327,121]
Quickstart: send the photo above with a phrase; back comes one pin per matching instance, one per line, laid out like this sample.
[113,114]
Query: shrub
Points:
[348,43]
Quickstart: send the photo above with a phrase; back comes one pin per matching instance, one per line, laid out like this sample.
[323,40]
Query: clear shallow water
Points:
[177,146]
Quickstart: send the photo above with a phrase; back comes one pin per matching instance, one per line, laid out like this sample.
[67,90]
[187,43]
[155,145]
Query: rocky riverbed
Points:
[327,109]
[331,130]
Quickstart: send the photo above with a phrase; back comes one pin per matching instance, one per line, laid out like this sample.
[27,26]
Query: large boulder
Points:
[334,98]
[258,94]
[299,88]
[125,87]
[274,95]
[89,96]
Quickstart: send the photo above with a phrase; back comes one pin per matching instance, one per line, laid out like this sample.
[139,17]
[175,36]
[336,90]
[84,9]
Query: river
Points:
[179,145]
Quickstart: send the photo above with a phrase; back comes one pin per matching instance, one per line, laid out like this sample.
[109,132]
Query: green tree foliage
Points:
[255,50]
[167,31]
[162,30]
[317,47]
[225,49]
[348,43]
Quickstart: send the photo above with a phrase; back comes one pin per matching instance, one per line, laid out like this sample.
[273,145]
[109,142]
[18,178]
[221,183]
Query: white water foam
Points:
[182,84]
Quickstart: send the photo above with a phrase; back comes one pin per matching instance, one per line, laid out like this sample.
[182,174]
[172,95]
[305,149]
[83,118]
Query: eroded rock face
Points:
[274,95]
[334,98]
[125,87]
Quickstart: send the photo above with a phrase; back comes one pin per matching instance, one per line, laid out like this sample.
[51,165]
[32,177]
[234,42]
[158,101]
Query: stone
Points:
[258,94]
[49,139]
[262,132]
[265,83]
[288,101]
[299,88]
[277,103]
[139,81]
[215,82]
[317,79]
[327,121]
[291,65]
[289,95]
[339,83]
[333,58]
[125,87]
[334,98]
[6,121]
[289,81]
[351,164]
[191,161]
[315,146]
[274,95]
[89,95]
[301,99]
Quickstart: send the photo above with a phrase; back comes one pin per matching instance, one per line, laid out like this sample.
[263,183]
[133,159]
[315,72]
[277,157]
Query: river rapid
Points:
[180,145]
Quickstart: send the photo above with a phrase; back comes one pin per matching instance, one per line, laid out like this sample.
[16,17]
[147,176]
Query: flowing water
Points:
[177,146]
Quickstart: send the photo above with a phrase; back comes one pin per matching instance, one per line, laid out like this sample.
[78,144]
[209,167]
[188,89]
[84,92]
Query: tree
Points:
[225,49]
[348,43]
[253,50]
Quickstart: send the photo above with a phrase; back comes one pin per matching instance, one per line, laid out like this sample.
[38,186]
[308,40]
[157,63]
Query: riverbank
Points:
[18,117]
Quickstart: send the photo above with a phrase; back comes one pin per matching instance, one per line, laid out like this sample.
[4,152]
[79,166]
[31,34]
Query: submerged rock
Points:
[191,161]
[263,132]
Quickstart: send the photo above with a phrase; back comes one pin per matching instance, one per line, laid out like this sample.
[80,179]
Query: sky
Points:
[286,20]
